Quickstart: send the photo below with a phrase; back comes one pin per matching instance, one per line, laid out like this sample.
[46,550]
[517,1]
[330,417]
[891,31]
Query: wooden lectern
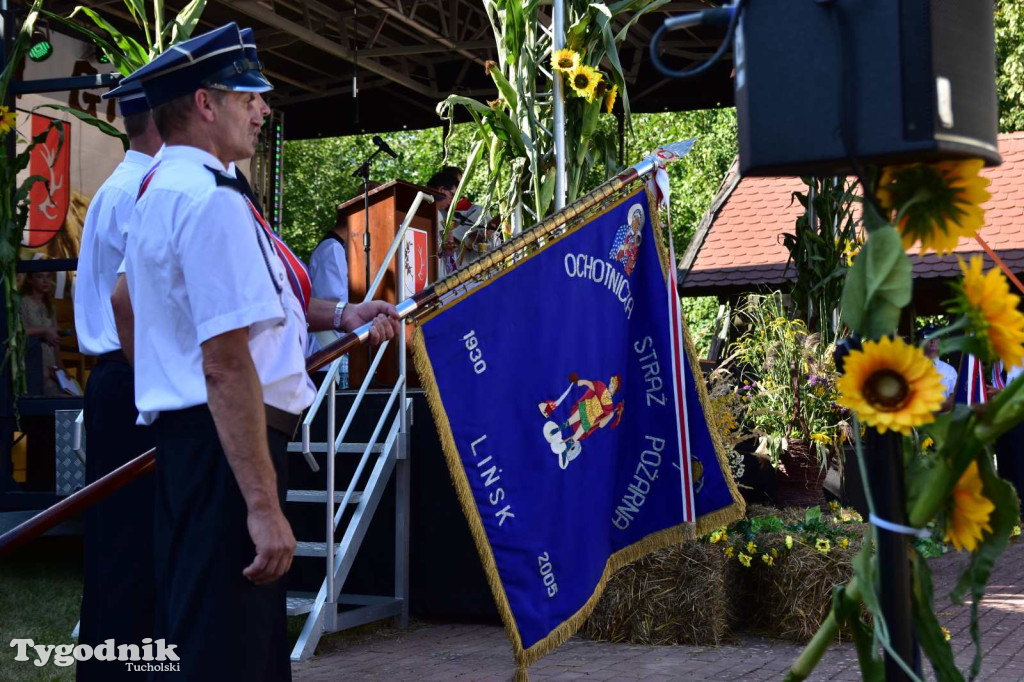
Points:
[389,204]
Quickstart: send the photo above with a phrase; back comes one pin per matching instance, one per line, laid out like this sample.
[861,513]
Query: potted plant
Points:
[787,382]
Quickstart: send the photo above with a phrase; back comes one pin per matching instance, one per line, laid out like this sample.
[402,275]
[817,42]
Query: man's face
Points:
[931,349]
[447,194]
[239,119]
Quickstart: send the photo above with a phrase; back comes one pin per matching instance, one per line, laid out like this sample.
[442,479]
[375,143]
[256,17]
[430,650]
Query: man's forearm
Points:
[235,397]
[320,316]
[124,318]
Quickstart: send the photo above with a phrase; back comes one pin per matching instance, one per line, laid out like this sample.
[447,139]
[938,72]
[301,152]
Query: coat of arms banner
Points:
[572,421]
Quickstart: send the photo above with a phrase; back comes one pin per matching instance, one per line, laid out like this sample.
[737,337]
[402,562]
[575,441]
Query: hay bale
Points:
[790,599]
[677,595]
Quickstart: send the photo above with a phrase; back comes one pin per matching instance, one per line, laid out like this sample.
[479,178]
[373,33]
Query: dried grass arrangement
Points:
[772,572]
[676,595]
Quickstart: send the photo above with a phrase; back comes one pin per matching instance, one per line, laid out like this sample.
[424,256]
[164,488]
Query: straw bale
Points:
[676,595]
[791,599]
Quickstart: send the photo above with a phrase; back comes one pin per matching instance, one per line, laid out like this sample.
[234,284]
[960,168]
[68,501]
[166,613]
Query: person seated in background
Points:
[472,234]
[40,320]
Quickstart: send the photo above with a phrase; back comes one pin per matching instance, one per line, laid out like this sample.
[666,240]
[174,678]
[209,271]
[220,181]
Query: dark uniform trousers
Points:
[119,593]
[224,626]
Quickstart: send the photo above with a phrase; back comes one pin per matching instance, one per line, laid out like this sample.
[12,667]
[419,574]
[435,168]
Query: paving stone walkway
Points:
[429,652]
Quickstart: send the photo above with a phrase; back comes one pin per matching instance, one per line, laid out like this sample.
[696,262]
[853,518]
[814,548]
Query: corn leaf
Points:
[129,47]
[187,20]
[89,119]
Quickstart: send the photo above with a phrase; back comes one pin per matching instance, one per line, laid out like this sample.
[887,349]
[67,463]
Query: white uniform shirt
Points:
[1013,373]
[328,274]
[948,375]
[103,242]
[198,266]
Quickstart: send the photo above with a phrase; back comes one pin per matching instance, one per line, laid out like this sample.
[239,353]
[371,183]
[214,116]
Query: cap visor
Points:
[250,81]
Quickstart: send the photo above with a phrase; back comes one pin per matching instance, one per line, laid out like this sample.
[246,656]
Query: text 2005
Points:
[547,574]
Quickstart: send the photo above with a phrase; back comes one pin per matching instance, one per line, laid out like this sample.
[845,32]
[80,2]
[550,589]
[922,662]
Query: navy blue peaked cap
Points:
[130,98]
[217,59]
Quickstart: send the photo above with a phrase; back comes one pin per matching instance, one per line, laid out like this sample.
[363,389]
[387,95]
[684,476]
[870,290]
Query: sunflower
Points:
[729,551]
[609,100]
[890,385]
[751,547]
[565,60]
[8,119]
[719,536]
[991,312]
[970,513]
[936,203]
[583,80]
[768,559]
[745,559]
[823,545]
[928,443]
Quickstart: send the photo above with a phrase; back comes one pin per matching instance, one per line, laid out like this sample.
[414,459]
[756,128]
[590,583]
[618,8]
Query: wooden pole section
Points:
[409,308]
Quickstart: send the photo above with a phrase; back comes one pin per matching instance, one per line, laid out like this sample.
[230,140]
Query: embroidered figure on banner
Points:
[594,410]
[626,246]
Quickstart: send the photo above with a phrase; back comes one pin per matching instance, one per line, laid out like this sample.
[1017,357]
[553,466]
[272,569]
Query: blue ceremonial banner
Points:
[555,388]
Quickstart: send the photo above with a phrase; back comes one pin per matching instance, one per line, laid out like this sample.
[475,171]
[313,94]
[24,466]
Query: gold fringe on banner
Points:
[676,534]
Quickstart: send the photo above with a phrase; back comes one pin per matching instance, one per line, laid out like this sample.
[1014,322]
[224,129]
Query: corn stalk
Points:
[516,130]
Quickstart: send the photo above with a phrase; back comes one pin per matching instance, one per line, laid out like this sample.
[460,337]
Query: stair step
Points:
[299,603]
[313,548]
[321,496]
[346,448]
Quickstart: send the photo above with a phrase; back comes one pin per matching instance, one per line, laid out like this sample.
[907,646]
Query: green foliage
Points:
[318,177]
[696,180]
[125,52]
[700,313]
[788,380]
[821,252]
[1010,61]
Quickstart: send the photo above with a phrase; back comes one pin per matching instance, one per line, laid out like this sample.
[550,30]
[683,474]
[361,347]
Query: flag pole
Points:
[411,307]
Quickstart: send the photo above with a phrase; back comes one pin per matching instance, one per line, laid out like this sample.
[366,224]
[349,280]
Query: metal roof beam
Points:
[271,18]
[419,27]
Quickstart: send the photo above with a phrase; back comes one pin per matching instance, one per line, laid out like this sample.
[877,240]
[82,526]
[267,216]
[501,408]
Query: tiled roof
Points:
[743,248]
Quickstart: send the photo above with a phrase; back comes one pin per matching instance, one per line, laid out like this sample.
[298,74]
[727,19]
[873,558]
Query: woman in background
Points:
[40,320]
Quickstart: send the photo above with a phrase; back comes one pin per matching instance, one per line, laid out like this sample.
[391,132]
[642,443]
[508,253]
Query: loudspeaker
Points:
[919,74]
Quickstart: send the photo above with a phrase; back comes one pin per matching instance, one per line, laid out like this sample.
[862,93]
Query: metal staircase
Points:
[348,512]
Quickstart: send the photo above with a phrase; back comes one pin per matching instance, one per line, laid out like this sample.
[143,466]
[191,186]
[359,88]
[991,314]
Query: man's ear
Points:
[204,102]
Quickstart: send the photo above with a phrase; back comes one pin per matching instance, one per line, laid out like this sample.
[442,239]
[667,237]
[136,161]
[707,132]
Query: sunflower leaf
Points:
[929,632]
[878,285]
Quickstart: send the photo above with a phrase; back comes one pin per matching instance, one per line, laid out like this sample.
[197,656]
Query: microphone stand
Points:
[364,172]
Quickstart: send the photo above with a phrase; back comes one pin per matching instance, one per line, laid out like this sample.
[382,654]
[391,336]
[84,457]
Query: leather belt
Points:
[285,422]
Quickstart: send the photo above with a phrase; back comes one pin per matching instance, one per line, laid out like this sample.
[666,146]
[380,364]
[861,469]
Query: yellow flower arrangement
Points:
[844,543]
[832,505]
[583,80]
[890,385]
[945,633]
[821,437]
[991,312]
[970,513]
[729,552]
[775,553]
[751,547]
[823,545]
[719,536]
[565,60]
[609,100]
[745,559]
[768,559]
[936,203]
[789,542]
[8,120]
[1015,532]
[927,443]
